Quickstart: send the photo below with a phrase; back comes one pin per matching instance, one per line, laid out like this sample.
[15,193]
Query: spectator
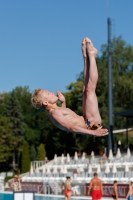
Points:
[96,187]
[15,184]
[104,155]
[67,188]
[130,192]
[115,193]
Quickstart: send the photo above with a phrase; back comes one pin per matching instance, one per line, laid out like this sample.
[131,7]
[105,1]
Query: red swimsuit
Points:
[66,192]
[96,194]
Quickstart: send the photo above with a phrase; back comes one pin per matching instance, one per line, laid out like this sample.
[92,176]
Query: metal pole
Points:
[110,113]
[127,131]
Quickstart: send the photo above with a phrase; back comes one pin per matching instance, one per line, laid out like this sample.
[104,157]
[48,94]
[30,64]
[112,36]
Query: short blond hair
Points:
[36,99]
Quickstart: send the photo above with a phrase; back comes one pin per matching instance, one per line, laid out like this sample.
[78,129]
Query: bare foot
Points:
[91,50]
[84,47]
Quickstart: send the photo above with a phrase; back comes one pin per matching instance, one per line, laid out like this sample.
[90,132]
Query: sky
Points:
[40,40]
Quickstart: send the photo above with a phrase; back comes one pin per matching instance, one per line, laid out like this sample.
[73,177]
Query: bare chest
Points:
[68,115]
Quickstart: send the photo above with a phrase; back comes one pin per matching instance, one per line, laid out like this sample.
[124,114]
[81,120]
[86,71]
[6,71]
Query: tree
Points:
[33,153]
[3,96]
[41,153]
[12,111]
[25,162]
[33,119]
[5,139]
[122,63]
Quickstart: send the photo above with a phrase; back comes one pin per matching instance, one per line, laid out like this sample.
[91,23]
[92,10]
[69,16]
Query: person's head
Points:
[68,178]
[115,182]
[95,174]
[131,184]
[15,178]
[42,98]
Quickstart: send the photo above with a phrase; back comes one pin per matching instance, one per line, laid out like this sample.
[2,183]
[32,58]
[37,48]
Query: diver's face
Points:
[49,97]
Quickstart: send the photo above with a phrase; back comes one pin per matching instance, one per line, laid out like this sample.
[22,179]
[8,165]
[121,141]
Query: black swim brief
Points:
[114,196]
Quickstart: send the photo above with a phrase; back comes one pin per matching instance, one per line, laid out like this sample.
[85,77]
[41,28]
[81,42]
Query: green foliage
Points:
[122,63]
[6,143]
[32,153]
[123,139]
[74,96]
[25,162]
[12,111]
[41,152]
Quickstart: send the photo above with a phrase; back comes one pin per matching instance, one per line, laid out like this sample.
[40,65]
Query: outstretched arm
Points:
[63,122]
[90,186]
[61,98]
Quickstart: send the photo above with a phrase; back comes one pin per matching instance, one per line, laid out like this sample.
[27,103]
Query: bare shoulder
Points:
[92,180]
[59,119]
[56,111]
[100,181]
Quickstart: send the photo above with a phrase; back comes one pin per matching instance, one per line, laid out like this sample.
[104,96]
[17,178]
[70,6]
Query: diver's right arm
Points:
[62,120]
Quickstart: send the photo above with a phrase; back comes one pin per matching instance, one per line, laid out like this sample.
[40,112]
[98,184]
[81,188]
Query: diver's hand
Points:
[60,96]
[100,132]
